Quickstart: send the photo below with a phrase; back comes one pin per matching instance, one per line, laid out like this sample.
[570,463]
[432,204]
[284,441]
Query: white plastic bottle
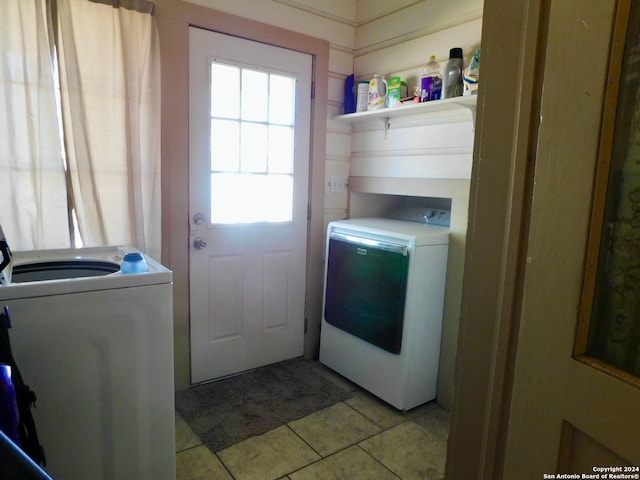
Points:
[431,81]
[377,93]
[452,80]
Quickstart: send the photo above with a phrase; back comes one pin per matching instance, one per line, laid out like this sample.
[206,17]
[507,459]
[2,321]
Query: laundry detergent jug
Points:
[377,93]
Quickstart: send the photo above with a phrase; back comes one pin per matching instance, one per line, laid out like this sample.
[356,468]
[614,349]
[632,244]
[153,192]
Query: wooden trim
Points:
[298,5]
[196,16]
[174,19]
[538,19]
[603,169]
[579,452]
[564,452]
[610,370]
[498,208]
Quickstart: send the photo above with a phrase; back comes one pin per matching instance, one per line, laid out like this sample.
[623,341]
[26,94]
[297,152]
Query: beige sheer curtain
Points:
[109,64]
[33,202]
[106,125]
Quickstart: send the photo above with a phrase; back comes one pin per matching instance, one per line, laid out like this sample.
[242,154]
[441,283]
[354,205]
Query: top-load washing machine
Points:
[96,346]
[383,304]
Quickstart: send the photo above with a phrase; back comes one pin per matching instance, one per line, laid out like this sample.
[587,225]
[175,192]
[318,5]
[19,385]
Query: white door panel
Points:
[249,165]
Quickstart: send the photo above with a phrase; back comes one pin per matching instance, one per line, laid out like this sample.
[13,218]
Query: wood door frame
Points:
[513,44]
[174,19]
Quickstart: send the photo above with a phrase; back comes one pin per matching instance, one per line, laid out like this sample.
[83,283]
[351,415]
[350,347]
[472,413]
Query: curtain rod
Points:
[142,6]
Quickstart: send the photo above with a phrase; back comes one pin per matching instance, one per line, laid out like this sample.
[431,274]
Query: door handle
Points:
[199,243]
[199,218]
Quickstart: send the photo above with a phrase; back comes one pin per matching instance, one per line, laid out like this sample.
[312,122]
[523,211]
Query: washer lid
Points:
[412,233]
[155,274]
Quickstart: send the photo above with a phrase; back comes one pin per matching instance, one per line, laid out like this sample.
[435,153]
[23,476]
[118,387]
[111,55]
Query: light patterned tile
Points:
[199,463]
[352,464]
[185,438]
[435,420]
[410,451]
[336,378]
[422,409]
[376,410]
[268,456]
[334,428]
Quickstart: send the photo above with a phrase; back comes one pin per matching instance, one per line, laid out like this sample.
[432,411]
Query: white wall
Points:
[398,36]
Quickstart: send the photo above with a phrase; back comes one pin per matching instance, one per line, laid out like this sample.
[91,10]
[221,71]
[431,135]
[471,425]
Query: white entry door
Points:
[249,126]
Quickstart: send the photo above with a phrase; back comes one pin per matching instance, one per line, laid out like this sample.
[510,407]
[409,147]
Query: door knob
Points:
[199,218]
[199,243]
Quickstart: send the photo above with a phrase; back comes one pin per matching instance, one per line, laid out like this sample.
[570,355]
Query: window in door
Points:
[611,329]
[252,145]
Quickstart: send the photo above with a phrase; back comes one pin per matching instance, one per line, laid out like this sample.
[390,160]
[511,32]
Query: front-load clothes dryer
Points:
[383,306]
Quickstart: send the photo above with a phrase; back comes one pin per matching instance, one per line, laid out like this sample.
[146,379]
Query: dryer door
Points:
[366,288]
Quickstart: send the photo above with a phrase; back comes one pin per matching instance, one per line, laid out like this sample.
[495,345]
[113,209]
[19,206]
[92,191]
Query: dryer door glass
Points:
[366,289]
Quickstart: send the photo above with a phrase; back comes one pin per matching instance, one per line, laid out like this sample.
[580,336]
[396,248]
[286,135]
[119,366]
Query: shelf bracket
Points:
[472,109]
[387,126]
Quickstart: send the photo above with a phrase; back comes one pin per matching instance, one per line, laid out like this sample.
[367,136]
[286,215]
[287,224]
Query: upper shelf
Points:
[447,104]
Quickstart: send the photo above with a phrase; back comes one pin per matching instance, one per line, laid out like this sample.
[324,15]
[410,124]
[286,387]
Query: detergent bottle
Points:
[431,81]
[377,93]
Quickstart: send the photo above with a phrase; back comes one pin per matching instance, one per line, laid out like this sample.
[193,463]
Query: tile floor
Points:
[361,438]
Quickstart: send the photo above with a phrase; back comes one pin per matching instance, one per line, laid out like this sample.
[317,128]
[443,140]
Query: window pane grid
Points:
[252,144]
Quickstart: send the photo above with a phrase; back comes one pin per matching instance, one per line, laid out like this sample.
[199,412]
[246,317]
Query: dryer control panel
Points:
[432,216]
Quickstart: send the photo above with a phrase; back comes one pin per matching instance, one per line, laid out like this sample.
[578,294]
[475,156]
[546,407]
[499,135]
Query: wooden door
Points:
[571,412]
